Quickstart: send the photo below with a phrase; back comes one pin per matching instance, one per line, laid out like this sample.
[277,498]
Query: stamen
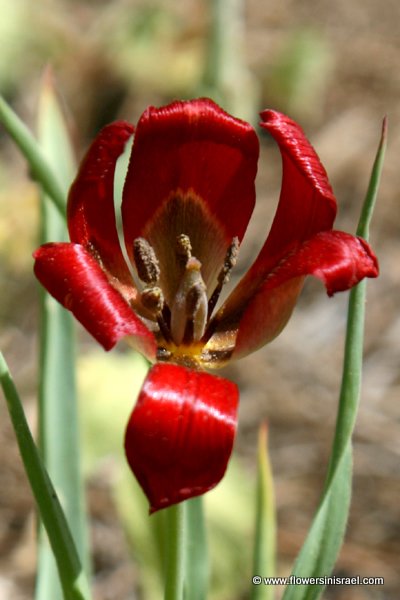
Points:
[190,304]
[183,249]
[146,261]
[225,273]
[230,261]
[153,299]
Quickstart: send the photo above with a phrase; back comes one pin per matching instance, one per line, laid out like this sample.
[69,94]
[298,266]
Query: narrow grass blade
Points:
[319,552]
[29,147]
[197,568]
[72,576]
[372,192]
[265,522]
[58,420]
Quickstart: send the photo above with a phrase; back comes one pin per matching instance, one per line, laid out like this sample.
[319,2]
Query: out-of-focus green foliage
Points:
[149,46]
[298,80]
[13,30]
[109,384]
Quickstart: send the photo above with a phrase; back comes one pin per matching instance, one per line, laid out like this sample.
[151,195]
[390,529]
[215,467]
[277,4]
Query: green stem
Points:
[353,354]
[73,579]
[175,549]
[351,381]
[33,154]
[196,559]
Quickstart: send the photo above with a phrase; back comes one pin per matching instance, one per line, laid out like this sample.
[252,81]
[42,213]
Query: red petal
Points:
[340,260]
[77,281]
[91,214]
[307,204]
[180,435]
[190,154]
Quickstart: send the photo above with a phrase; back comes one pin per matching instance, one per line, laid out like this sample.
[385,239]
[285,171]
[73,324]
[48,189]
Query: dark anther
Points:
[146,261]
[153,299]
[230,261]
[225,273]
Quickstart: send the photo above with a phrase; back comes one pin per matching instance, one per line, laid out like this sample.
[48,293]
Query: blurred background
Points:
[334,67]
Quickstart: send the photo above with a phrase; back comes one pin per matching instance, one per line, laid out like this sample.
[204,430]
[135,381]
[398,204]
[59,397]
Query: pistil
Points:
[186,320]
[190,304]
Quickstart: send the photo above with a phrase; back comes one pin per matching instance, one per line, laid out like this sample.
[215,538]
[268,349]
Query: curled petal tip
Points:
[74,278]
[373,270]
[352,260]
[180,434]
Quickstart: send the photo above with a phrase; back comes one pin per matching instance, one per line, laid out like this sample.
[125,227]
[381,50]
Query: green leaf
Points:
[29,147]
[73,579]
[319,552]
[58,419]
[265,523]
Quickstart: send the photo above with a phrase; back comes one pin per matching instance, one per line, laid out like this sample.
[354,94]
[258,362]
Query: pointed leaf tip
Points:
[384,129]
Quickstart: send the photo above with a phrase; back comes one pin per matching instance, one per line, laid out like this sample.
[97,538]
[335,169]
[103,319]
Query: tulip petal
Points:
[306,207]
[339,259]
[307,204]
[91,213]
[192,171]
[76,280]
[180,434]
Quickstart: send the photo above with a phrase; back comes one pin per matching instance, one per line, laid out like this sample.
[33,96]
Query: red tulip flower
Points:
[188,197]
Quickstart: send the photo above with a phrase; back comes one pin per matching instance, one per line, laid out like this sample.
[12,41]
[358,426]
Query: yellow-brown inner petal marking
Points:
[185,214]
[182,322]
